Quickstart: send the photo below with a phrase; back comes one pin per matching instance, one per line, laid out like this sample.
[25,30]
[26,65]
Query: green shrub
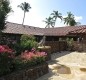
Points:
[28,42]
[19,64]
[18,49]
[69,43]
[5,64]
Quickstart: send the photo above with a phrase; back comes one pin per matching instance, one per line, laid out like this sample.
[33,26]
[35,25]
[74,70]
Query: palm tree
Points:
[25,7]
[49,22]
[56,15]
[70,19]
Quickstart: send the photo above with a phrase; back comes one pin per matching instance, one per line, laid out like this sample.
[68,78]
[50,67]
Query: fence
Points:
[79,46]
[57,46]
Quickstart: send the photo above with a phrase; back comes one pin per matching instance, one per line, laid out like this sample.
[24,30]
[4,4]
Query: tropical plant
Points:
[25,7]
[28,42]
[4,10]
[56,15]
[49,22]
[70,43]
[70,20]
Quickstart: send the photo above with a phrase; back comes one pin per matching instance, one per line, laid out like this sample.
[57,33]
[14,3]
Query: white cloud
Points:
[78,18]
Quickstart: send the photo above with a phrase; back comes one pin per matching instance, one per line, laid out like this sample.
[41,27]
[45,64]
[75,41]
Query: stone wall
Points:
[28,74]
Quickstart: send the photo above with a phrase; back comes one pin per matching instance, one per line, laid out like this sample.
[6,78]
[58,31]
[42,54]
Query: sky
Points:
[41,9]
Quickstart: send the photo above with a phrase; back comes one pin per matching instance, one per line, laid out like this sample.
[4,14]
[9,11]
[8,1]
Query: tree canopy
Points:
[49,22]
[56,15]
[70,20]
[4,10]
[25,7]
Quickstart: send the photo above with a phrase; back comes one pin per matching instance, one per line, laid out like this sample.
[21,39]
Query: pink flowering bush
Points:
[6,57]
[5,49]
[29,59]
[34,57]
[31,55]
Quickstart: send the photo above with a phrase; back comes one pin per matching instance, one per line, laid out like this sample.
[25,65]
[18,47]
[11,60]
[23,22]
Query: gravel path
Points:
[66,66]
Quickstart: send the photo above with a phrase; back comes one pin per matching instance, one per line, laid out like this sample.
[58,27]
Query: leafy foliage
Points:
[28,42]
[70,43]
[56,15]
[25,6]
[4,10]
[70,20]
[49,22]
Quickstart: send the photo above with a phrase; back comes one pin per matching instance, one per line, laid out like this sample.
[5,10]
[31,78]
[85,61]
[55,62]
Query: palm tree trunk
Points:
[23,18]
[55,21]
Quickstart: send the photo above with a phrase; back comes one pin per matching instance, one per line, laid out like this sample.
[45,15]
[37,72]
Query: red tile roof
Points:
[79,31]
[20,29]
[14,28]
[62,31]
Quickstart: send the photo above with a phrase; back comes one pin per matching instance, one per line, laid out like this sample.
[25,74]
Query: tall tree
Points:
[49,22]
[56,15]
[4,10]
[70,20]
[25,7]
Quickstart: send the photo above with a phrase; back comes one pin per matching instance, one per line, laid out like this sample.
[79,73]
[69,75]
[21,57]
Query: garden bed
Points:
[28,74]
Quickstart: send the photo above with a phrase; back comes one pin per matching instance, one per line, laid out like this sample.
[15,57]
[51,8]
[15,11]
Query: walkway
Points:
[66,66]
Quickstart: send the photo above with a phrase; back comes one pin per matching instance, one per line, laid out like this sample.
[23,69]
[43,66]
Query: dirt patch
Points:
[62,69]
[83,69]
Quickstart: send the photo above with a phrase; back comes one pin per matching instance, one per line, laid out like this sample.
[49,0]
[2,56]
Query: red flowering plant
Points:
[6,51]
[9,63]
[33,54]
[6,57]
[29,59]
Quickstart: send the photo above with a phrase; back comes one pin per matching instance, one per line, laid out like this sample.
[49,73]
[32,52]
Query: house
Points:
[53,34]
[15,31]
[81,43]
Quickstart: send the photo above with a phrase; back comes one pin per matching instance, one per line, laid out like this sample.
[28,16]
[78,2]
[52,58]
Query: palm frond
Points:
[25,6]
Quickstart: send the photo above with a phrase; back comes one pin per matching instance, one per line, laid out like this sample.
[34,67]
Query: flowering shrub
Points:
[10,63]
[31,55]
[6,49]
[29,59]
[6,57]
